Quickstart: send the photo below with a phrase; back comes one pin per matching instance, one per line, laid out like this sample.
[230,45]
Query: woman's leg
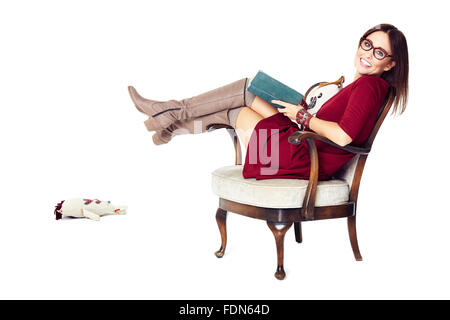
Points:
[248,117]
[245,123]
[257,109]
[163,113]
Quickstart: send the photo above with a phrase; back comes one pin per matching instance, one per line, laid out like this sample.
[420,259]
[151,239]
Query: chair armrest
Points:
[309,201]
[298,136]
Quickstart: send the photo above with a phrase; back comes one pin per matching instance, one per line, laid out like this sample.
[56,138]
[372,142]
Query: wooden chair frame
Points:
[280,220]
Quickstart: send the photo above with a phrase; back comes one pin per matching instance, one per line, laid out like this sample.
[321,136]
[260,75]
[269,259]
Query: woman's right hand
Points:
[290,110]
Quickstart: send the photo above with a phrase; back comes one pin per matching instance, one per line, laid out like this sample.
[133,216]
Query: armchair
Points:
[286,202]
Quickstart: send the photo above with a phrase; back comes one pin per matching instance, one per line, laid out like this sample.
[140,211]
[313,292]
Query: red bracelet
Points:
[303,117]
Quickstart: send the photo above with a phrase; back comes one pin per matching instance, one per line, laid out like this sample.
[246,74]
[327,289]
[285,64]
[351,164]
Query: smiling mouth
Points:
[364,63]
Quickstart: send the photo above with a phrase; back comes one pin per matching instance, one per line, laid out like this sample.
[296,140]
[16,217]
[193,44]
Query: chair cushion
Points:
[228,183]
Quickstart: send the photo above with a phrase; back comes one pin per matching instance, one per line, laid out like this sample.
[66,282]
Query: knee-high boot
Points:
[196,125]
[163,113]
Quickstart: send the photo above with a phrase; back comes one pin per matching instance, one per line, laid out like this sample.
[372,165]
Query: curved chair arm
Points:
[307,211]
[309,201]
[298,136]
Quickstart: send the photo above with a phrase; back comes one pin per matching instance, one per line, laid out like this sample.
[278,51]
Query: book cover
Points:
[269,88]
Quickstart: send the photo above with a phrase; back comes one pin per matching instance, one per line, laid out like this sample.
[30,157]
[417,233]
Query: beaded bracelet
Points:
[303,117]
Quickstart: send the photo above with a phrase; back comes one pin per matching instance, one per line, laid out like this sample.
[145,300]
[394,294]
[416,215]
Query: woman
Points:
[381,62]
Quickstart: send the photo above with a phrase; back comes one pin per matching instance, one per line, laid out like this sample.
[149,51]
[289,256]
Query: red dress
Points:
[354,108]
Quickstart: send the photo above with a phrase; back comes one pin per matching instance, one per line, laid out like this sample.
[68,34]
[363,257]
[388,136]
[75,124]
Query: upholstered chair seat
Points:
[228,183]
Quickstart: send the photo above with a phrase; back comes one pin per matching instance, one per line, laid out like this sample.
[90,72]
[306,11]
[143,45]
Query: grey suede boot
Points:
[163,113]
[196,125]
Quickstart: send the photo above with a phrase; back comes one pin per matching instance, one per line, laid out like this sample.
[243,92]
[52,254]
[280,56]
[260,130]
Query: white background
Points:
[69,129]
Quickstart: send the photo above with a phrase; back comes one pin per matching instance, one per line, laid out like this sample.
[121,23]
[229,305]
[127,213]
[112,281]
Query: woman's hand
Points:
[290,110]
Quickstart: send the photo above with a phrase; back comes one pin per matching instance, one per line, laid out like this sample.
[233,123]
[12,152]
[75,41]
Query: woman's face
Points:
[366,63]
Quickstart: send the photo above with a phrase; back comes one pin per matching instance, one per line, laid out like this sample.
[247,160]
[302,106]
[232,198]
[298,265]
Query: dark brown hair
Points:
[398,75]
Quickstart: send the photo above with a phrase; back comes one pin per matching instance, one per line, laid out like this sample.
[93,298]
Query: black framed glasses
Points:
[378,52]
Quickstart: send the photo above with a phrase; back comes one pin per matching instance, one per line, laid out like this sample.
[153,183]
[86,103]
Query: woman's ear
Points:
[390,65]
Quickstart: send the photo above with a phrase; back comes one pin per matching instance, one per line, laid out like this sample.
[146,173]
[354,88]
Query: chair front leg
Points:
[221,218]
[279,230]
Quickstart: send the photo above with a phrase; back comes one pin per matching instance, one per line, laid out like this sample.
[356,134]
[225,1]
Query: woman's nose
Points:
[369,55]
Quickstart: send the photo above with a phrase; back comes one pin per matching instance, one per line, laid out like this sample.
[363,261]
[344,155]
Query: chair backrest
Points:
[387,104]
[347,172]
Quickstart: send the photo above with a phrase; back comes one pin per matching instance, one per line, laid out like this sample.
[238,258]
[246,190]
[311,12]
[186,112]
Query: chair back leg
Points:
[221,218]
[298,232]
[351,223]
[279,230]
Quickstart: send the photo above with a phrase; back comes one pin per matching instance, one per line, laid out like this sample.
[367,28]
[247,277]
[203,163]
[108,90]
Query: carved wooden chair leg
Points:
[221,218]
[351,223]
[279,230]
[298,232]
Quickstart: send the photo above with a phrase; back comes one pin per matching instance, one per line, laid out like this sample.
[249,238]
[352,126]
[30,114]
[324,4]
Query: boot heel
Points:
[157,139]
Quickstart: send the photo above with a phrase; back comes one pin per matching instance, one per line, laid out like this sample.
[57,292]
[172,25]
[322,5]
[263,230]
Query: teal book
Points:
[268,89]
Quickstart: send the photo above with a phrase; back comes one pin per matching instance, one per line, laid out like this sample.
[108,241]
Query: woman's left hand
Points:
[290,110]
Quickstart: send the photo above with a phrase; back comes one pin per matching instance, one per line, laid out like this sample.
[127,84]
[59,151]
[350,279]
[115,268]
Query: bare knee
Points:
[245,123]
[264,108]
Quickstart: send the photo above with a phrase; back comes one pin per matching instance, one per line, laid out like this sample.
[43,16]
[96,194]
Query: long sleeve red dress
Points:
[355,108]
